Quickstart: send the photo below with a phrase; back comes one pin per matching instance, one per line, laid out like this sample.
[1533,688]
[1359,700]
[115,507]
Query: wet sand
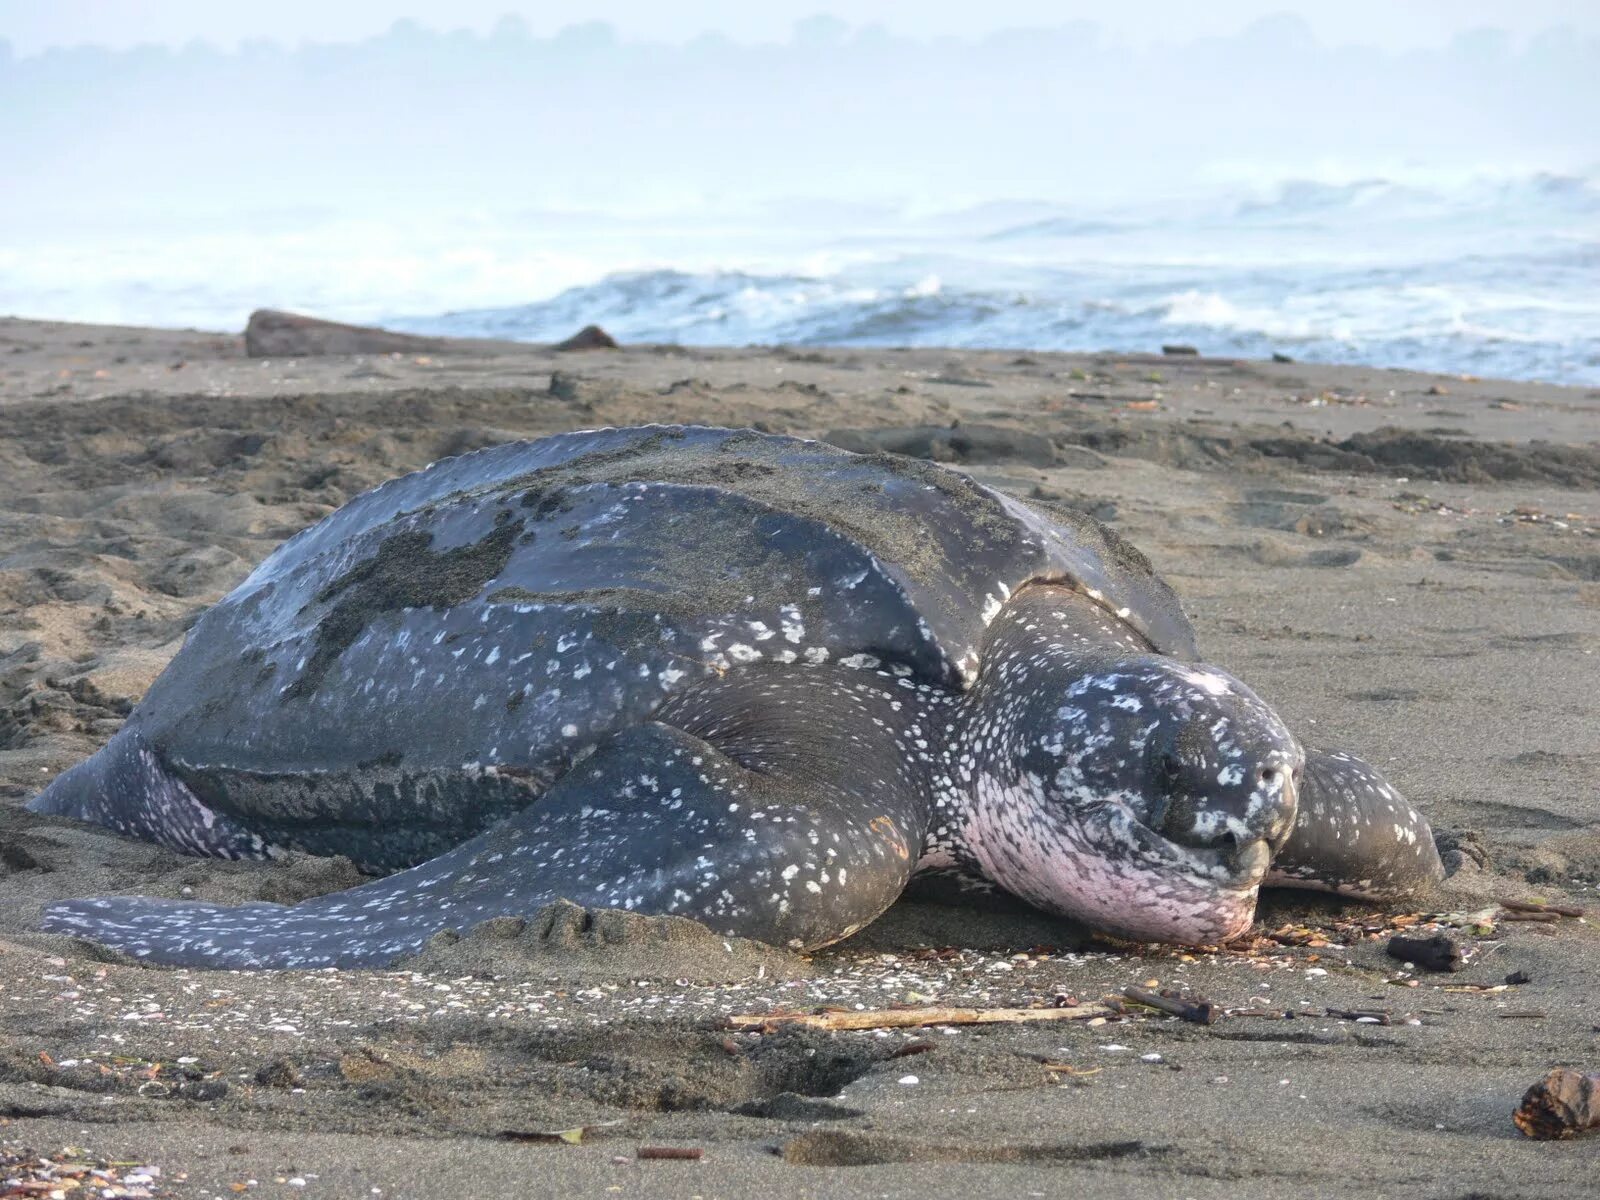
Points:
[1405,565]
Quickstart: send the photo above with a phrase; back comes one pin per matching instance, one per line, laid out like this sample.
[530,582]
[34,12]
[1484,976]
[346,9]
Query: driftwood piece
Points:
[1539,906]
[273,334]
[1563,1104]
[910,1018]
[1437,953]
[1201,1012]
[590,337]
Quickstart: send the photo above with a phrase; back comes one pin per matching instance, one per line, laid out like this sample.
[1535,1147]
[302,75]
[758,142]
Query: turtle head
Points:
[1140,795]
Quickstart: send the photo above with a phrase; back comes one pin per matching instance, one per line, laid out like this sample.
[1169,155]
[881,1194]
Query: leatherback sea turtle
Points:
[749,679]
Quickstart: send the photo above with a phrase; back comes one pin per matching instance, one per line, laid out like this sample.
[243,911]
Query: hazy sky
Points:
[32,25]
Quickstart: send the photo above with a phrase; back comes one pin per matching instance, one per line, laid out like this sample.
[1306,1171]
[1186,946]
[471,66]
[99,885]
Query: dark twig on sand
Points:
[682,1153]
[1437,953]
[1201,1012]
[910,1018]
[1538,918]
[1561,1105]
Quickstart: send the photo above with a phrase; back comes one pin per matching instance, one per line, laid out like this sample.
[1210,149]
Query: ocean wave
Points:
[1538,192]
[1385,316]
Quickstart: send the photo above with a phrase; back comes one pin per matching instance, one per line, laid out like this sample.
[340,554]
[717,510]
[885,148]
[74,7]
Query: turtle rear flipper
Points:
[747,829]
[1355,835]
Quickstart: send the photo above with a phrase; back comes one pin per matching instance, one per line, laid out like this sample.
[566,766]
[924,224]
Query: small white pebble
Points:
[1113,1048]
[1149,1058]
[909,1081]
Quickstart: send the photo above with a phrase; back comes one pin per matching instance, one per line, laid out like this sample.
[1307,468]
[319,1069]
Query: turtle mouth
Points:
[1229,863]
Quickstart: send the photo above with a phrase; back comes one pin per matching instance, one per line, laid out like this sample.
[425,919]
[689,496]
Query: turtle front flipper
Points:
[1355,835]
[776,807]
[128,788]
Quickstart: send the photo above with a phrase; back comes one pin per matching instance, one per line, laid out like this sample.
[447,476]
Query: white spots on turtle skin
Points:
[791,623]
[1213,683]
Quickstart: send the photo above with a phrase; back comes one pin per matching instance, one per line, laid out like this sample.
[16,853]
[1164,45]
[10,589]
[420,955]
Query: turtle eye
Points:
[1169,772]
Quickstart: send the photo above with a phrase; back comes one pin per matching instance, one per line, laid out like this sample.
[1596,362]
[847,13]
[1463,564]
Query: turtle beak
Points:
[1251,860]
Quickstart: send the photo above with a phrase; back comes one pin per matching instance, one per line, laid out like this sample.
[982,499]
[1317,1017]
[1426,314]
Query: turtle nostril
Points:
[1267,776]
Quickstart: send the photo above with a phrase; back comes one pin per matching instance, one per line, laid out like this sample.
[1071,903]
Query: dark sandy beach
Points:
[1404,565]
